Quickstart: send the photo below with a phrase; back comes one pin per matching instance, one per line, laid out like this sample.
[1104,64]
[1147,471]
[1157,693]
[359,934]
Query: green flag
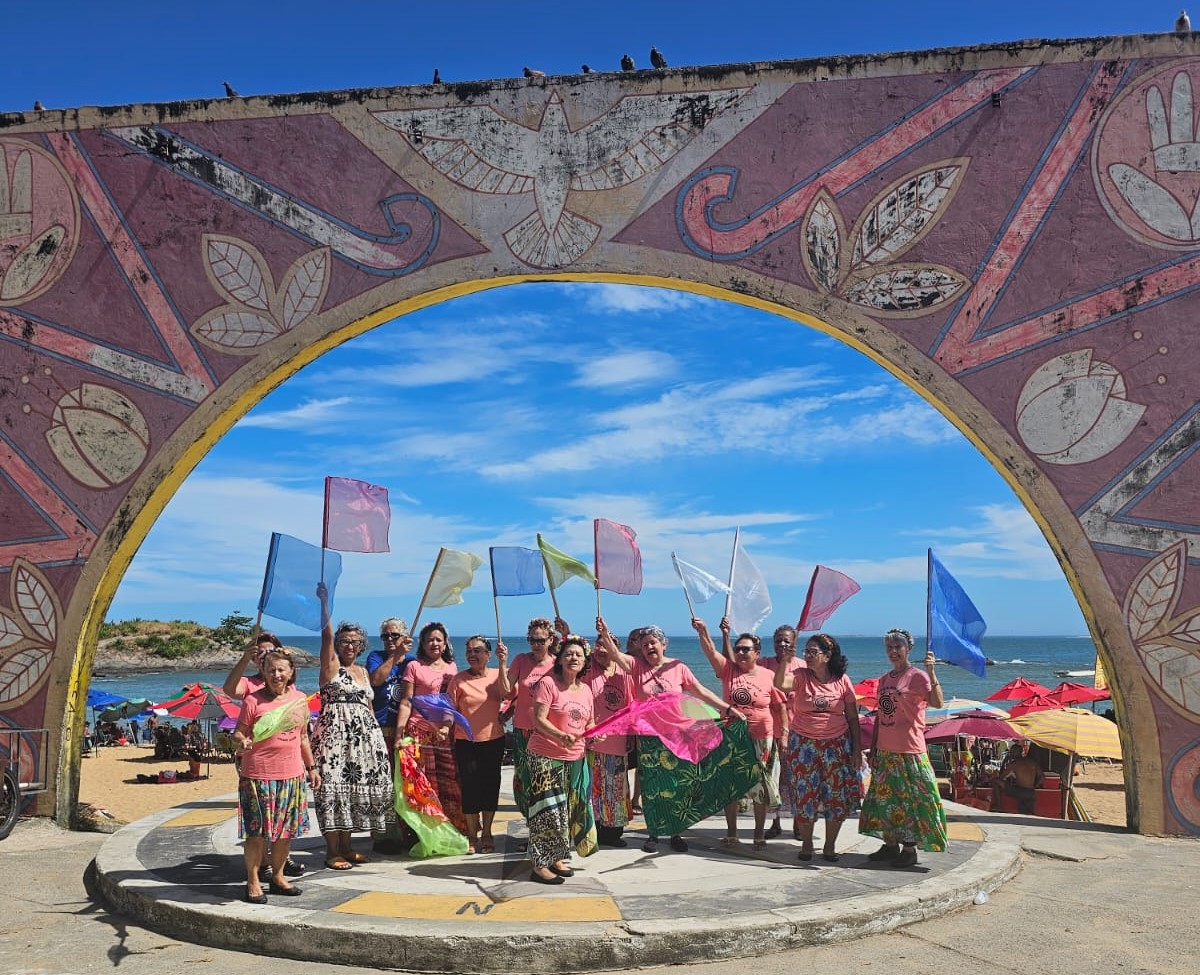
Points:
[560,566]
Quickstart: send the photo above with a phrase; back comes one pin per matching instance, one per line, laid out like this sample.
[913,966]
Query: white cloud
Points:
[626,369]
[636,299]
[309,414]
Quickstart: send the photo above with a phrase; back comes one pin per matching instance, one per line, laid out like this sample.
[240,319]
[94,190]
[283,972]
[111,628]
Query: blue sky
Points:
[541,406]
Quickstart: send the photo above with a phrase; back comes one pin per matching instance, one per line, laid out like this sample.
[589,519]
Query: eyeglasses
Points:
[392,636]
[357,644]
[813,651]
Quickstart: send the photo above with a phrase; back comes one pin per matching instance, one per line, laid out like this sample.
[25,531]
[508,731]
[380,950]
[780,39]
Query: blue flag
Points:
[516,571]
[955,626]
[289,589]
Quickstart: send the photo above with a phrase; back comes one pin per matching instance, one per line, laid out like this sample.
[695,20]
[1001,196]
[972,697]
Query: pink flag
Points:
[357,516]
[826,592]
[618,561]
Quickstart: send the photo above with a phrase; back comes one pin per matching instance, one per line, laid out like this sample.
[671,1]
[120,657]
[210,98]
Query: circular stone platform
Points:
[180,873]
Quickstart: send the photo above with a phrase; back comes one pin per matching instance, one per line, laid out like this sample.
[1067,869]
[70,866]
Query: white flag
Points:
[749,602]
[452,573]
[700,586]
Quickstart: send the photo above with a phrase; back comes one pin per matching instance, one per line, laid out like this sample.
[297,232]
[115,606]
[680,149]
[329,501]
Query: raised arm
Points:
[404,709]
[605,637]
[502,666]
[726,638]
[230,686]
[783,673]
[392,655]
[718,662]
[727,710]
[935,699]
[329,661]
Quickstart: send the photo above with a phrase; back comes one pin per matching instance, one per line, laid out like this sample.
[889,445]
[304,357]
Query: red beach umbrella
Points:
[186,693]
[1018,690]
[866,691]
[981,724]
[1037,702]
[1069,692]
[209,705]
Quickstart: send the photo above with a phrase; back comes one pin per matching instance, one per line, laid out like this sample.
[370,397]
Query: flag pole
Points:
[496,604]
[686,595]
[928,600]
[737,533]
[549,578]
[325,530]
[596,560]
[425,594]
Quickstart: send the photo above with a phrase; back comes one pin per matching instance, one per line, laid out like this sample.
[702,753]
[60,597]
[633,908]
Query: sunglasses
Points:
[535,641]
[392,636]
[744,649]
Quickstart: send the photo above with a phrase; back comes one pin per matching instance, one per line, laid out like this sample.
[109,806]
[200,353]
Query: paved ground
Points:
[1085,900]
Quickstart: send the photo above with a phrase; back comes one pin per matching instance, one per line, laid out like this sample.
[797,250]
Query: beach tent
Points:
[1018,690]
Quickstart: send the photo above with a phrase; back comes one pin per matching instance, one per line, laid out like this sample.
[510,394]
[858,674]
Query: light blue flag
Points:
[516,571]
[955,626]
[289,589]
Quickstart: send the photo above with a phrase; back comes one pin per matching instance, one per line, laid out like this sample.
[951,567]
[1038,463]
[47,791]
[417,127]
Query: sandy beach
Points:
[108,779]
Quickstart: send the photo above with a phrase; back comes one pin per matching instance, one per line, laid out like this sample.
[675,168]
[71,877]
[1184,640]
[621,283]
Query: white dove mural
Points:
[480,149]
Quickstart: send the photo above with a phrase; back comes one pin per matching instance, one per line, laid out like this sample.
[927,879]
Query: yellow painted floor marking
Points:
[208,816]
[964,831]
[439,907]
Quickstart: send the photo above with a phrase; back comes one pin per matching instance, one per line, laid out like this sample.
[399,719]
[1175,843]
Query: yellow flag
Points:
[452,573]
[560,566]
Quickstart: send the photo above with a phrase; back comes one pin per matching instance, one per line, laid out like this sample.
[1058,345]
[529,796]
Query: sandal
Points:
[338,863]
[760,844]
[357,858]
[486,845]
[730,842]
[805,855]
[830,856]
[774,830]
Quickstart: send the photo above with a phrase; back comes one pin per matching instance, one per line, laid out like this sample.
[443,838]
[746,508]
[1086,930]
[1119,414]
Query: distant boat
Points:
[1074,673]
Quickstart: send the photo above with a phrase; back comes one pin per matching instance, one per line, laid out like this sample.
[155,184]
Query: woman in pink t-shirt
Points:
[608,755]
[903,806]
[524,674]
[430,673]
[272,801]
[560,807]
[751,688]
[478,692]
[824,747]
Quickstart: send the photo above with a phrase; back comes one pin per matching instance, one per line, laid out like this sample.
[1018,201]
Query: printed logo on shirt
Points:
[740,696]
[576,717]
[820,702]
[887,704]
[614,696]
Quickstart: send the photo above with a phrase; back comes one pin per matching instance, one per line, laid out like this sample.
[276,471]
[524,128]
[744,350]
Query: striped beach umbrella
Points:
[1071,730]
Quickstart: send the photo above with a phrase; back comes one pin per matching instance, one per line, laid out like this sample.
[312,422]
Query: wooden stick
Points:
[737,534]
[686,595]
[549,578]
[496,604]
[428,586]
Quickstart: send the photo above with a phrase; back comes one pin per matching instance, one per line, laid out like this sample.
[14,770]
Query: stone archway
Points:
[1011,230]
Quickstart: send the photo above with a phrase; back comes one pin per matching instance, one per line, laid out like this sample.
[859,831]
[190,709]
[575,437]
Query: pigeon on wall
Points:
[626,63]
[1183,23]
[586,69]
[657,59]
[229,90]
[533,72]
[437,78]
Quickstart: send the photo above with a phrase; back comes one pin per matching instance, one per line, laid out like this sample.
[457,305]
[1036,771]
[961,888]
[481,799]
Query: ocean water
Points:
[1042,659]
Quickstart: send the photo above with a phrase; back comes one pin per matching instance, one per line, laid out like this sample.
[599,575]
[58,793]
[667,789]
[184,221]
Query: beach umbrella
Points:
[981,724]
[209,706]
[866,692]
[103,699]
[314,702]
[1072,730]
[866,722]
[186,693]
[1018,690]
[956,705]
[1036,702]
[1069,692]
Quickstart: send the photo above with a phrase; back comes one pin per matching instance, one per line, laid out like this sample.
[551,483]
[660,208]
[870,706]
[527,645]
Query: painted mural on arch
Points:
[1013,231]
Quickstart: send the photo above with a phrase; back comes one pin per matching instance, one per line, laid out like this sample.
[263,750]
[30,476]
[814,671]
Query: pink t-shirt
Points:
[819,709]
[247,686]
[610,693]
[752,694]
[570,710]
[524,674]
[479,699]
[278,757]
[772,664]
[901,715]
[427,678]
[672,675]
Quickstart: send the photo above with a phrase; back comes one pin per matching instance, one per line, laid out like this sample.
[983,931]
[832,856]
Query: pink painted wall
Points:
[1012,230]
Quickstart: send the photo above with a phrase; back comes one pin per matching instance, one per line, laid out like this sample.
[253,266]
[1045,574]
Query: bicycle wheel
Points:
[10,803]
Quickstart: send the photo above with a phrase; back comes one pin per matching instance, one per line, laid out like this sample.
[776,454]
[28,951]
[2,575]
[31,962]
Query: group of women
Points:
[783,722]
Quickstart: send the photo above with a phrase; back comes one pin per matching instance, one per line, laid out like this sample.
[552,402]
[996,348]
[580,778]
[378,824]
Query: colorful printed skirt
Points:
[610,789]
[823,778]
[903,804]
[677,793]
[765,792]
[437,760]
[783,779]
[560,809]
[276,809]
[520,779]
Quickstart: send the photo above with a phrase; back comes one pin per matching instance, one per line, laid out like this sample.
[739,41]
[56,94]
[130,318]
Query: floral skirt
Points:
[437,761]
[903,804]
[520,779]
[677,793]
[765,792]
[823,778]
[276,809]
[560,811]
[610,788]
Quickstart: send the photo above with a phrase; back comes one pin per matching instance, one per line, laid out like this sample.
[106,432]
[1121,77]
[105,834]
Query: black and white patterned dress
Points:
[352,756]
